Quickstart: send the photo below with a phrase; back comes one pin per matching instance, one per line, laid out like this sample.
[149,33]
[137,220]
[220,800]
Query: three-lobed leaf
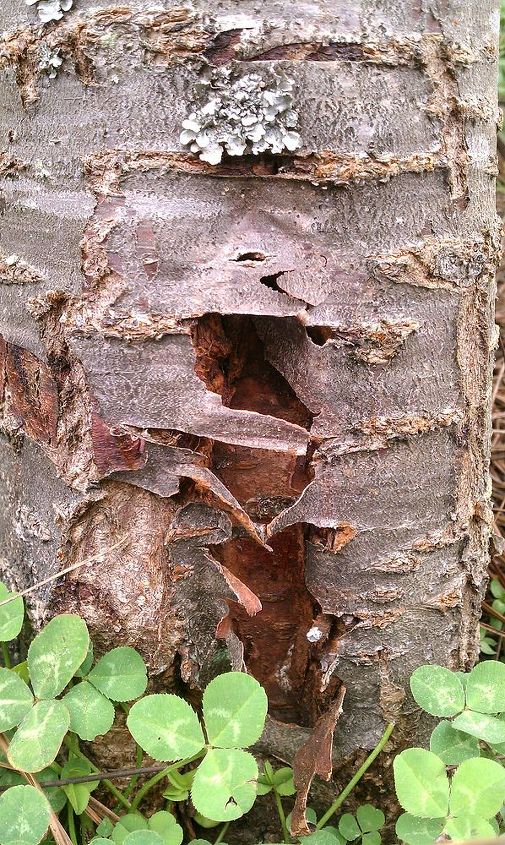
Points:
[421,783]
[283,781]
[234,710]
[39,736]
[91,713]
[485,687]
[224,787]
[437,690]
[11,614]
[120,674]
[166,727]
[127,824]
[24,816]
[453,746]
[56,653]
[16,699]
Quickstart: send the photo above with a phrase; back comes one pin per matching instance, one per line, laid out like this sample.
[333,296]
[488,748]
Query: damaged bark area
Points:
[259,388]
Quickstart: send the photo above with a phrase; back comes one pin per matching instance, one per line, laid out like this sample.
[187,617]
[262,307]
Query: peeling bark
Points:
[252,398]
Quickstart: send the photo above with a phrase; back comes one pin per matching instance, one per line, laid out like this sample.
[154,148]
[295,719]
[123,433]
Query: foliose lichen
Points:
[252,114]
[50,10]
[50,61]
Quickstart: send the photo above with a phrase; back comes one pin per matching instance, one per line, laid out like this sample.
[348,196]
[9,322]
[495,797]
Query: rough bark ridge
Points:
[253,397]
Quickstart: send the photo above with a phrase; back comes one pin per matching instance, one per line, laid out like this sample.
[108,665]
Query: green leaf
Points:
[477,789]
[348,827]
[24,815]
[126,825]
[371,838]
[166,727]
[415,831]
[421,783]
[166,826]
[86,664]
[56,653]
[143,837]
[224,787]
[15,699]
[283,781]
[453,746]
[203,821]
[496,589]
[55,795]
[264,787]
[485,727]
[437,690]
[485,689]
[105,828]
[234,710]
[100,840]
[21,670]
[39,736]
[91,713]
[326,836]
[465,827]
[78,793]
[370,818]
[120,674]
[11,615]
[180,785]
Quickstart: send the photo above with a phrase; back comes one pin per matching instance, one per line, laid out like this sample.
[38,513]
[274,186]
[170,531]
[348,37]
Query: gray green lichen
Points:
[50,10]
[252,114]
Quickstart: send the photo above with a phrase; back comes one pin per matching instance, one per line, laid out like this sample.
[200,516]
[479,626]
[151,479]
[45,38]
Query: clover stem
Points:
[156,778]
[339,800]
[71,823]
[118,795]
[139,756]
[282,815]
[221,833]
[72,744]
[6,656]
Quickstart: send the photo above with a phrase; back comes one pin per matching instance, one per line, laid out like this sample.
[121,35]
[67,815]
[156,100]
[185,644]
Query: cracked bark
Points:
[254,397]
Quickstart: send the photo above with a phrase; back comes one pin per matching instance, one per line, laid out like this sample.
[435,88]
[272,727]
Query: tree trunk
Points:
[251,399]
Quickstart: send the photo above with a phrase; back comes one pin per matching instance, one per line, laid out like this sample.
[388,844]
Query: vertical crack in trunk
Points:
[230,359]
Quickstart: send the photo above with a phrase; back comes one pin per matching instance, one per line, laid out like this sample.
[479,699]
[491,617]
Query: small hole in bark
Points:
[271,281]
[319,334]
[251,256]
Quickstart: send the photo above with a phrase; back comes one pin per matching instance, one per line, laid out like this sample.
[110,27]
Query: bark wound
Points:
[230,359]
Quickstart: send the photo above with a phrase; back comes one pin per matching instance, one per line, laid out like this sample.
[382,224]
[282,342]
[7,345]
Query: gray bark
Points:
[260,384]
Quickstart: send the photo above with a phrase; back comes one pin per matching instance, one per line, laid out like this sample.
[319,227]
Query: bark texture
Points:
[252,399]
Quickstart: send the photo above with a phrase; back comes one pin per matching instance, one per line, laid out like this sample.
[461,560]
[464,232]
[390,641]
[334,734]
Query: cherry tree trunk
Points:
[247,401]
